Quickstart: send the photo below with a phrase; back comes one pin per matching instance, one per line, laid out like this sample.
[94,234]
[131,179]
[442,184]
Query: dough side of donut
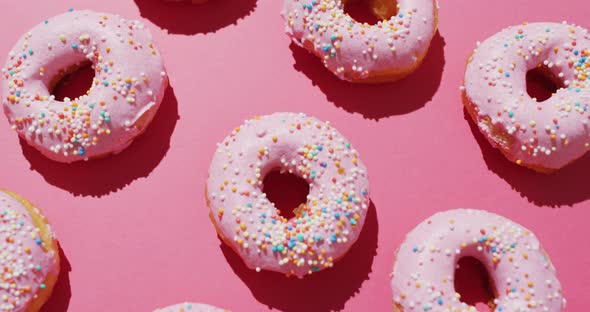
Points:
[50,243]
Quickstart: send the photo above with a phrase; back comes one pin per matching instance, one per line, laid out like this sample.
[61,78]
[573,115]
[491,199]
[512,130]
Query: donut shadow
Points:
[62,291]
[327,290]
[564,187]
[99,177]
[188,19]
[377,101]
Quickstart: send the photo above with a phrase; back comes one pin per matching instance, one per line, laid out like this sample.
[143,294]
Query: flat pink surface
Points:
[134,228]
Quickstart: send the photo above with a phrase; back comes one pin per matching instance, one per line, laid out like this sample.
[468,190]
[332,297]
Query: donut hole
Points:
[286,191]
[474,284]
[73,82]
[542,83]
[371,11]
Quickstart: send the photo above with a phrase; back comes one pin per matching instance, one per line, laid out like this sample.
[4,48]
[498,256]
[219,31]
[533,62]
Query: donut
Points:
[543,136]
[359,52]
[323,229]
[525,279]
[126,91]
[30,256]
[191,307]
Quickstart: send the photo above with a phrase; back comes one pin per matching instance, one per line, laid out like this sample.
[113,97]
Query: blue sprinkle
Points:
[415,249]
[81,151]
[74,46]
[70,10]
[38,241]
[333,238]
[337,215]
[440,301]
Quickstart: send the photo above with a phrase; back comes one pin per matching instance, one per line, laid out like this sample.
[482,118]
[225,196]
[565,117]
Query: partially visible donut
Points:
[191,307]
[29,257]
[524,277]
[126,92]
[359,52]
[324,228]
[544,136]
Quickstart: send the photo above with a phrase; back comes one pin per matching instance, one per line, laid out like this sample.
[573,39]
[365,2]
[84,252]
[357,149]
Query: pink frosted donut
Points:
[191,307]
[29,256]
[359,52]
[323,229]
[126,92]
[525,280]
[543,136]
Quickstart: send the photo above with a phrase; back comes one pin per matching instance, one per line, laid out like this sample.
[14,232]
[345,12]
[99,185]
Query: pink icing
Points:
[129,82]
[24,262]
[521,270]
[337,202]
[548,134]
[191,307]
[352,50]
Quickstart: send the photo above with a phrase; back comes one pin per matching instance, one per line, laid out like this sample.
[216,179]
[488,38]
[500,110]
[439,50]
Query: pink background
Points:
[134,228]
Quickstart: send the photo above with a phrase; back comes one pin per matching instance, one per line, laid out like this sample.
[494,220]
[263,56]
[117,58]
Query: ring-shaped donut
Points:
[126,91]
[544,136]
[30,255]
[359,52]
[324,228]
[423,274]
